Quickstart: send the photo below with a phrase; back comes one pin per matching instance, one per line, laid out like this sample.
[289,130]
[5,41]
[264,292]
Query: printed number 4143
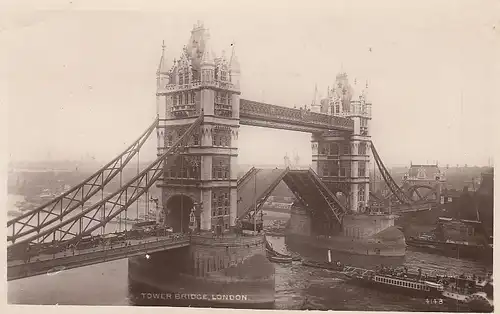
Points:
[434,301]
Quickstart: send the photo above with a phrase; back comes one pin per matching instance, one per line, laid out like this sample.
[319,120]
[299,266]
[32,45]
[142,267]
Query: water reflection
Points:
[107,284]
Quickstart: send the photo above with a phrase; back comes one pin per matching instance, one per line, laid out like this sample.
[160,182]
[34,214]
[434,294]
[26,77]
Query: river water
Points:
[107,284]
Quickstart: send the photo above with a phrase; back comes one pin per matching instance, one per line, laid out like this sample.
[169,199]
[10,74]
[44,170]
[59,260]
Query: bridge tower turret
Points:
[205,176]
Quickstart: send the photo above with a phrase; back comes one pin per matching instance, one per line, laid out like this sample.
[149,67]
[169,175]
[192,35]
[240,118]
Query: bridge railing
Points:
[299,116]
[245,176]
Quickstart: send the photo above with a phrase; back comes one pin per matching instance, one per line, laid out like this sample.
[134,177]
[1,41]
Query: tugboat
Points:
[335,266]
[275,256]
[280,259]
[475,293]
[444,239]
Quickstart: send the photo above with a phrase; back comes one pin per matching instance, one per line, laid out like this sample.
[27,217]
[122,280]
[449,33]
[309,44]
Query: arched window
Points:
[181,78]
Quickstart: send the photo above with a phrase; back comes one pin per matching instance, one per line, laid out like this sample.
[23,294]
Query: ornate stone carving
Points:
[293,116]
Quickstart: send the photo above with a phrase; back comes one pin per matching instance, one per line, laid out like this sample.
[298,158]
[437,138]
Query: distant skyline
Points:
[80,76]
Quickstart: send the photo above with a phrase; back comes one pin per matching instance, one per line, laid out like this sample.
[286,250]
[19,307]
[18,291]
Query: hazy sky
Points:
[80,75]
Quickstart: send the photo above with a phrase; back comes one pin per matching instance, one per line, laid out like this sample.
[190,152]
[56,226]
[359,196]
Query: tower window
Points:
[346,149]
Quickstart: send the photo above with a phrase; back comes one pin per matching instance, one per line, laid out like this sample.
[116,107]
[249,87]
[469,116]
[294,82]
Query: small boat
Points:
[296,258]
[335,266]
[280,259]
[306,305]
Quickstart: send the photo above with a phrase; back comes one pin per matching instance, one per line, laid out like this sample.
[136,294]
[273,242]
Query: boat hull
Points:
[345,250]
[433,294]
[451,249]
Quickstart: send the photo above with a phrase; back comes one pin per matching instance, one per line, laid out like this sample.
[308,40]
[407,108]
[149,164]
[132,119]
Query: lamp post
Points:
[155,201]
[198,208]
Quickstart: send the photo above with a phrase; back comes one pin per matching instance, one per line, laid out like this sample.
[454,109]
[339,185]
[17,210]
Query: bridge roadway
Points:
[53,263]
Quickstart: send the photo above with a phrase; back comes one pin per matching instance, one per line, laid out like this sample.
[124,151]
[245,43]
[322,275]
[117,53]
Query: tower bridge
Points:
[199,112]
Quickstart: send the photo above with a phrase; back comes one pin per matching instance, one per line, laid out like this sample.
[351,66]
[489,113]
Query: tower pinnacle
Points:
[233,62]
[162,66]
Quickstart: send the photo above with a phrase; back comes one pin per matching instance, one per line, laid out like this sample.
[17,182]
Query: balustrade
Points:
[197,84]
[292,115]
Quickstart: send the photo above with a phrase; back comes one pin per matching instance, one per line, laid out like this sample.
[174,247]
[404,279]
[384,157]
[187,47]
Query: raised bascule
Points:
[199,112]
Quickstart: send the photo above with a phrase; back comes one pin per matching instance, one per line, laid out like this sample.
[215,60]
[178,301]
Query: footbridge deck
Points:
[53,263]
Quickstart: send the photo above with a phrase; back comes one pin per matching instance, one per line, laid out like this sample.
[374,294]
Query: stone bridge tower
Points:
[342,159]
[203,179]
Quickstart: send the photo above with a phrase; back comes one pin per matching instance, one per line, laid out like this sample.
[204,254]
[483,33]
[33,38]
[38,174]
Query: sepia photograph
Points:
[281,155]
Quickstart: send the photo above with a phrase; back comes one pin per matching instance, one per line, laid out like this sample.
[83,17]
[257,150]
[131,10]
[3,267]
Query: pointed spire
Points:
[365,93]
[233,62]
[208,55]
[356,91]
[162,66]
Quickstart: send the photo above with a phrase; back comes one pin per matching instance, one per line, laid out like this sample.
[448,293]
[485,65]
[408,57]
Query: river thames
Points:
[107,284]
